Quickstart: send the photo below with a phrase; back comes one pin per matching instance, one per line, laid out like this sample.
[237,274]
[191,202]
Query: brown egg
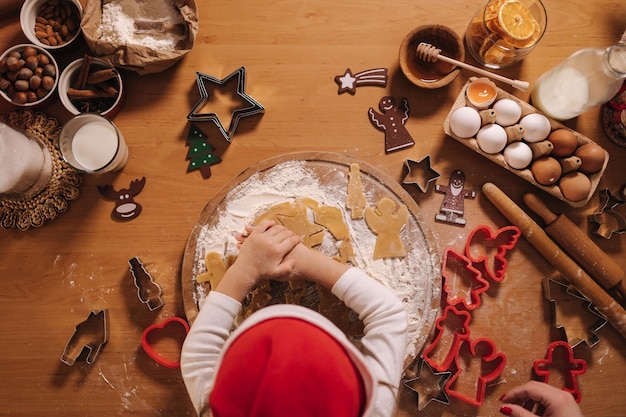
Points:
[592,156]
[564,142]
[575,186]
[546,170]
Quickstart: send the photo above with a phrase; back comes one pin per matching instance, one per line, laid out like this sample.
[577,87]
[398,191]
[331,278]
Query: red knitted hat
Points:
[285,365]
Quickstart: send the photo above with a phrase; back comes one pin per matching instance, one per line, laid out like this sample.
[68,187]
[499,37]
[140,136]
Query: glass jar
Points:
[586,79]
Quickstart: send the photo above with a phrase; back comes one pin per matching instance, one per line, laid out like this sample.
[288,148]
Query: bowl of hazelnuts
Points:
[28,75]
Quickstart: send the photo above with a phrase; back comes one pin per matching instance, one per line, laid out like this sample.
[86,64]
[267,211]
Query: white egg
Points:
[465,122]
[536,127]
[518,155]
[491,138]
[508,112]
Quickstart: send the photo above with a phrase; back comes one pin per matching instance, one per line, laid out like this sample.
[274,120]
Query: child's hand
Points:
[557,403]
[262,251]
[262,254]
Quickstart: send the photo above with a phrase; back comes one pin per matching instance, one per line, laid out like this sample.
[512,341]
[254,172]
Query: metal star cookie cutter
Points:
[420,173]
[89,335]
[428,385]
[609,219]
[581,303]
[148,291]
[542,367]
[254,106]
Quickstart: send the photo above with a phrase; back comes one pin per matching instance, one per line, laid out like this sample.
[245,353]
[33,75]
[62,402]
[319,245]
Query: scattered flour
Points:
[412,278]
[118,18]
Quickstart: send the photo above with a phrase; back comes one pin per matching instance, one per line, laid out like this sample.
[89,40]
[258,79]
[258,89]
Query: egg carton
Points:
[525,173]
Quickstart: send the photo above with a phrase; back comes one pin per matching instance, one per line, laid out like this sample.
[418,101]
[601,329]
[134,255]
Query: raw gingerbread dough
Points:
[387,220]
[295,217]
[355,202]
[216,268]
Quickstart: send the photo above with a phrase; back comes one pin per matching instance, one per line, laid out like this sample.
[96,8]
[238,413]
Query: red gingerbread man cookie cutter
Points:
[554,363]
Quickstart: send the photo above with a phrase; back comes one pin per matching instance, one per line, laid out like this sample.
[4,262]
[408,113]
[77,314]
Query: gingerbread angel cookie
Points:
[387,220]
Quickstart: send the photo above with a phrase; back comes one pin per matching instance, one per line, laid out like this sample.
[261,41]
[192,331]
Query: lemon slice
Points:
[516,21]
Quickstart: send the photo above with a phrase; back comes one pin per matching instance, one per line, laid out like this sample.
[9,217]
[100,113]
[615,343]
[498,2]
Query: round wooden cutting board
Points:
[420,285]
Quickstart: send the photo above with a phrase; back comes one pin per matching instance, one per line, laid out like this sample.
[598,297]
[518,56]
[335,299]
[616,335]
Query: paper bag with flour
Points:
[110,32]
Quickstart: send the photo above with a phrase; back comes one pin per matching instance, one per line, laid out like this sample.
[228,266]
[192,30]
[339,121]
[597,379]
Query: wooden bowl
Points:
[426,74]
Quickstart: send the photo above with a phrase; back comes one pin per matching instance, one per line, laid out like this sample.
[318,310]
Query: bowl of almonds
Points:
[28,75]
[51,24]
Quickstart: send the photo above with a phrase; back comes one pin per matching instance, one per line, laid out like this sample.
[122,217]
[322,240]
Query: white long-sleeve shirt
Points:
[383,344]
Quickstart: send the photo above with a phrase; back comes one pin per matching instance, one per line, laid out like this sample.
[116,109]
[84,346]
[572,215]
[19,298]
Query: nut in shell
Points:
[28,75]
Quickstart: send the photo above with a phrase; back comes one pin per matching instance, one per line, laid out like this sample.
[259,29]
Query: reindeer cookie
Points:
[126,208]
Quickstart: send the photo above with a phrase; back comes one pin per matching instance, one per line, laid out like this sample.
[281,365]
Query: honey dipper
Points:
[429,53]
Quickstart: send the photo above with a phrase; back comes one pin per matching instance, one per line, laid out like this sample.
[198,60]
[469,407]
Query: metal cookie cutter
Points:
[451,329]
[561,297]
[428,385]
[149,292]
[483,242]
[153,331]
[253,107]
[610,218]
[491,366]
[420,173]
[89,335]
[462,283]
[560,353]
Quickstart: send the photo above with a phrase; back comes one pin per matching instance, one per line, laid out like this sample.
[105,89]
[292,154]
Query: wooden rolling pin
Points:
[536,236]
[579,246]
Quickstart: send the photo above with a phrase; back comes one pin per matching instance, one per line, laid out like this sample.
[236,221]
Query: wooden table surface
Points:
[52,277]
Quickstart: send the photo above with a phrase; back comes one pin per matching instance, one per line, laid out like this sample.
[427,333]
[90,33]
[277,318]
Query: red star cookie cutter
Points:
[462,283]
[162,330]
[491,366]
[559,355]
[451,329]
[487,249]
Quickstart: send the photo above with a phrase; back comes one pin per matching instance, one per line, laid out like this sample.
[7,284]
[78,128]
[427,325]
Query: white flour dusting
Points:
[118,22]
[411,278]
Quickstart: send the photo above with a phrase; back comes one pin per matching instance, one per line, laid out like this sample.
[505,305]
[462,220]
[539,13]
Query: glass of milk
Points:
[93,144]
[25,164]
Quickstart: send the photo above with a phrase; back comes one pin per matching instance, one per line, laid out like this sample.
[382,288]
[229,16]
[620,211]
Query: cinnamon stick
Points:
[81,80]
[101,76]
[77,94]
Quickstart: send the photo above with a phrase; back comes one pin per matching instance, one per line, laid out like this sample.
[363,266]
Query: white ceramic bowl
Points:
[68,77]
[42,99]
[28,18]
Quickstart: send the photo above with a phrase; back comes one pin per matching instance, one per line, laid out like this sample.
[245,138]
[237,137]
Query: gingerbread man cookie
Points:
[453,205]
[392,121]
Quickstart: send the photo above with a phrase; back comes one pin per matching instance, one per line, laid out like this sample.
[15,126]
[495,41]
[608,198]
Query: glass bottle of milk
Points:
[586,79]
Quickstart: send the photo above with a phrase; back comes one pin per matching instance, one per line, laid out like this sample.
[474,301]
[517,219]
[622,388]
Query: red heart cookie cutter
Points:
[151,351]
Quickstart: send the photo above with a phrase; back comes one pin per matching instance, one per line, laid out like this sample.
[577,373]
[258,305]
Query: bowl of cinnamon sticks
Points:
[91,85]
